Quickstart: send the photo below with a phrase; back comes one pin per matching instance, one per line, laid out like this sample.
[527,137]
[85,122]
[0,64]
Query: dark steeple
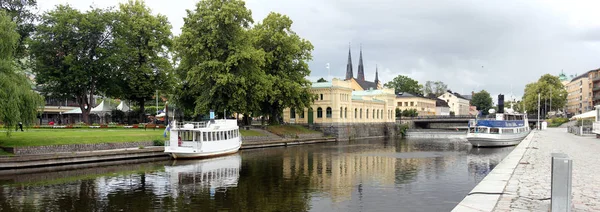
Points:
[349,72]
[361,70]
[376,75]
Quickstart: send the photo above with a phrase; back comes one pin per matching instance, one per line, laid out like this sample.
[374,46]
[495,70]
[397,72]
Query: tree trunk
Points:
[247,120]
[274,115]
[142,110]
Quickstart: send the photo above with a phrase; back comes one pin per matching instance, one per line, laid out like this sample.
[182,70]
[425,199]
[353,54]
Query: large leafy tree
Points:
[435,87]
[20,12]
[219,68]
[19,103]
[286,56]
[142,41]
[483,101]
[403,83]
[71,52]
[551,90]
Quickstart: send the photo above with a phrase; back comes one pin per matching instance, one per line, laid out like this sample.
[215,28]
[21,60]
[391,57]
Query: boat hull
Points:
[190,155]
[495,140]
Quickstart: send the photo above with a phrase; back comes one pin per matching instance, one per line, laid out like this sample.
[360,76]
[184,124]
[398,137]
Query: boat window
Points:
[509,131]
[204,136]
[472,130]
[494,130]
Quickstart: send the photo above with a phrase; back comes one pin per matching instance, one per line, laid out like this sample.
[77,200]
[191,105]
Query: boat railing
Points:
[195,124]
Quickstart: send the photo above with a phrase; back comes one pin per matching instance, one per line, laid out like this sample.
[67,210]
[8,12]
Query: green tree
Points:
[550,89]
[218,65]
[20,12]
[410,113]
[405,84]
[398,112]
[19,102]
[71,52]
[142,41]
[436,88]
[321,80]
[286,57]
[517,105]
[483,101]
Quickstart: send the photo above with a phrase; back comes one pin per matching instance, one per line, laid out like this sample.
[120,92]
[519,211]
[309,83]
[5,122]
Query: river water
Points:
[362,175]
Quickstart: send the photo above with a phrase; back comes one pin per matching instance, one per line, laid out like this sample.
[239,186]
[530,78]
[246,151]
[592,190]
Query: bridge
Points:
[445,122]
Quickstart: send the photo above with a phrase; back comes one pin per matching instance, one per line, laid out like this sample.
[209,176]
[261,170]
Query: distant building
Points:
[359,83]
[441,107]
[579,95]
[425,106]
[458,104]
[594,86]
[337,103]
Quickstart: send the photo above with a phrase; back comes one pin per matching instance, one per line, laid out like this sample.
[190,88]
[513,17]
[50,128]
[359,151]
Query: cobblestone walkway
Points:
[529,187]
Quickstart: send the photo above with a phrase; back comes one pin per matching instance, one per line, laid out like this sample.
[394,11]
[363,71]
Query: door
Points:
[310,116]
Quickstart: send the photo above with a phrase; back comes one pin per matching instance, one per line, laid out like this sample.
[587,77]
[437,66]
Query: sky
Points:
[470,45]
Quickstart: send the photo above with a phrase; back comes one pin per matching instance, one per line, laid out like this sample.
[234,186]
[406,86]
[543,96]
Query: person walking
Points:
[21,126]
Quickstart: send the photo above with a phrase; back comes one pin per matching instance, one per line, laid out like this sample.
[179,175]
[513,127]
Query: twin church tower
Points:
[360,77]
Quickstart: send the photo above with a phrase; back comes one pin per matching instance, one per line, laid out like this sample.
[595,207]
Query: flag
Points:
[167,130]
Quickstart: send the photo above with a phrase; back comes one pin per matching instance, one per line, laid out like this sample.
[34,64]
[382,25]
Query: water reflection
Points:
[364,175]
[481,161]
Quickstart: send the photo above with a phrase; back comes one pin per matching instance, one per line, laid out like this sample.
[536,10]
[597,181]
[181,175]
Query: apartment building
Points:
[458,104]
[579,95]
[424,106]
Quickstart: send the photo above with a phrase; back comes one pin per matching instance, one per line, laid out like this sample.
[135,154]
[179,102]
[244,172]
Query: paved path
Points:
[529,187]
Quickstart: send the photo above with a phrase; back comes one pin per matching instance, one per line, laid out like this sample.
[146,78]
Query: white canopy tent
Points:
[74,111]
[102,109]
[586,115]
[123,107]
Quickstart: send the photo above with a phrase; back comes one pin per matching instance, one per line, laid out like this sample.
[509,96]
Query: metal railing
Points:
[196,124]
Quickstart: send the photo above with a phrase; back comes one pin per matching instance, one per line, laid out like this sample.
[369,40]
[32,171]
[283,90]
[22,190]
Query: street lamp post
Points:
[538,118]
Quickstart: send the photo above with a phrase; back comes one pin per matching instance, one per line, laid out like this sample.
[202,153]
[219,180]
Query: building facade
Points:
[457,103]
[441,108]
[579,93]
[337,103]
[424,106]
[594,86]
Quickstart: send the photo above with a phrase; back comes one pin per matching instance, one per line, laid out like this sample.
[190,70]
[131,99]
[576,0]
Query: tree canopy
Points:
[436,88]
[550,89]
[483,101]
[19,102]
[403,83]
[19,12]
[321,80]
[72,54]
[286,67]
[141,44]
[219,68]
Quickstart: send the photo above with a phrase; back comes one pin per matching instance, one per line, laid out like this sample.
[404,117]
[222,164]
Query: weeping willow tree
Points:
[18,102]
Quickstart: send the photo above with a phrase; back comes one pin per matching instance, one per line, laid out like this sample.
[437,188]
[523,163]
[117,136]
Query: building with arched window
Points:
[341,103]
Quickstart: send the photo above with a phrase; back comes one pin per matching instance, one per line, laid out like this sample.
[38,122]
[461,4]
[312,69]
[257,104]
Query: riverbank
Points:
[37,161]
[522,180]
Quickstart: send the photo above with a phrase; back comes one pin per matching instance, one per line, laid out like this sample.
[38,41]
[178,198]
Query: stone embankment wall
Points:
[34,150]
[357,130]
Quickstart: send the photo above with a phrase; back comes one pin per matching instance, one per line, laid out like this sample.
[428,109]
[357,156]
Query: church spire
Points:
[361,70]
[349,72]
[376,75]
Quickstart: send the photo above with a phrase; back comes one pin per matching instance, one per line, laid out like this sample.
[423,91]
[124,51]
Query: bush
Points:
[158,142]
[555,122]
[402,129]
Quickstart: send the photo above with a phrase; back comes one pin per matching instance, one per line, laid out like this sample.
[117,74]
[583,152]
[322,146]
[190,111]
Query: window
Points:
[405,104]
[367,115]
[373,116]
[319,113]
[204,136]
[341,112]
[361,113]
[412,104]
[302,114]
[292,113]
[377,114]
[329,112]
[355,113]
[345,112]
[321,96]
[399,104]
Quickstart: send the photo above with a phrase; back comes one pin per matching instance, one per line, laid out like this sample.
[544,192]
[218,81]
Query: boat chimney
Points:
[500,103]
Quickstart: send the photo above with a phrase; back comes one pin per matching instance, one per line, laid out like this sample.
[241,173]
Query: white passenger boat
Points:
[507,129]
[203,139]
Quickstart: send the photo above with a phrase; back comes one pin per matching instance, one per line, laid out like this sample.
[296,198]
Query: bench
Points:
[94,126]
[62,126]
[127,127]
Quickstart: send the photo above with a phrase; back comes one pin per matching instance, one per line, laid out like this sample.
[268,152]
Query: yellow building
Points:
[579,95]
[424,106]
[344,101]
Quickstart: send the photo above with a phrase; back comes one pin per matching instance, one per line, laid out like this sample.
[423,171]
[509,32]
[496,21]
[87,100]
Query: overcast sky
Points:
[470,45]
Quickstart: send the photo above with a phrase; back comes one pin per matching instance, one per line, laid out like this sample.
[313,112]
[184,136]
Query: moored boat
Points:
[203,139]
[508,129]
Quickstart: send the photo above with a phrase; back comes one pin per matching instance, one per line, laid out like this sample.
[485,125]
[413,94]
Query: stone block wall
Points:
[357,130]
[34,150]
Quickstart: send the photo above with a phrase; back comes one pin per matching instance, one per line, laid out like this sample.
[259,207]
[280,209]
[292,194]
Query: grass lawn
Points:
[290,129]
[251,133]
[42,137]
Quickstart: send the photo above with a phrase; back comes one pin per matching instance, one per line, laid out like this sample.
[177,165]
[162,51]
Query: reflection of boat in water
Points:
[482,161]
[212,173]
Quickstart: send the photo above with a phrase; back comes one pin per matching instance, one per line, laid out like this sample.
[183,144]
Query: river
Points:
[359,175]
